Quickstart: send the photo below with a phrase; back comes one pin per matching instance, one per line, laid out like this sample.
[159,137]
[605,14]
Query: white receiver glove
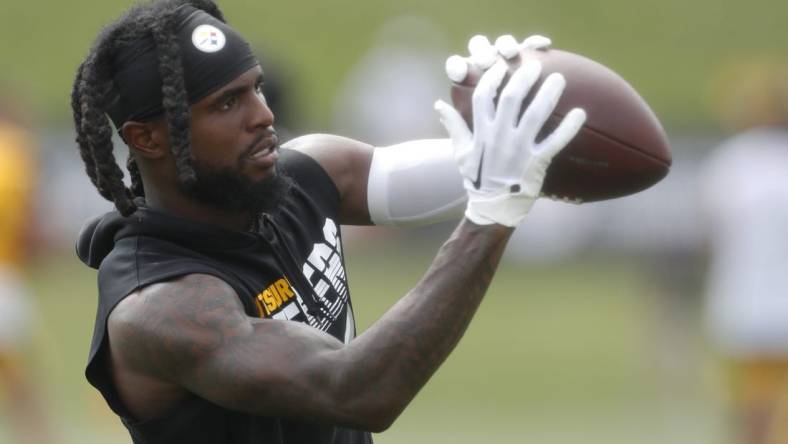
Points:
[501,163]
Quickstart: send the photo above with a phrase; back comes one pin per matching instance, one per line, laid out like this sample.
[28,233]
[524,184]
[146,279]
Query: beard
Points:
[228,189]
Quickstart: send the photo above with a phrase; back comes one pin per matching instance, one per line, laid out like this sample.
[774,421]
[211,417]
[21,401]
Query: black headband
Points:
[212,55]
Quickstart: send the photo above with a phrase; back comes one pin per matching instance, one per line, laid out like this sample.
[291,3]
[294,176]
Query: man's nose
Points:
[261,114]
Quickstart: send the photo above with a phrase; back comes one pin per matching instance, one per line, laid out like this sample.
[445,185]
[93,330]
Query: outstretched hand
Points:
[502,164]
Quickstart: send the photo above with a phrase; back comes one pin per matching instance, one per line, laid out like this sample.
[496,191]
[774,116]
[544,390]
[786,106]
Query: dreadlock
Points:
[94,91]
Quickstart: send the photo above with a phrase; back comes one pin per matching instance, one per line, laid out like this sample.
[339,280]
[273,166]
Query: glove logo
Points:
[478,182]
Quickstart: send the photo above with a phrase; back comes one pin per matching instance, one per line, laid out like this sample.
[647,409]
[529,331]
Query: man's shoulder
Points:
[309,170]
[134,253]
[343,166]
[139,262]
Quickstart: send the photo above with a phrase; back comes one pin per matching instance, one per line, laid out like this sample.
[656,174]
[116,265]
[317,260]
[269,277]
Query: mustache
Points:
[268,133]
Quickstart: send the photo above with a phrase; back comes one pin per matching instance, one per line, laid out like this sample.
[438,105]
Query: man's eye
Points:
[229,103]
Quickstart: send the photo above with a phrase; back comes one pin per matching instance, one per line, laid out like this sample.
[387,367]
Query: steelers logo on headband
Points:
[208,38]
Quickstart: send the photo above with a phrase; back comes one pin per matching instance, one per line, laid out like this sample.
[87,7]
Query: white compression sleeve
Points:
[415,183]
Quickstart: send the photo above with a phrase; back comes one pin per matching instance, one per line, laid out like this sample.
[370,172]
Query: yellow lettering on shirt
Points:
[274,297]
[284,289]
[261,308]
[270,300]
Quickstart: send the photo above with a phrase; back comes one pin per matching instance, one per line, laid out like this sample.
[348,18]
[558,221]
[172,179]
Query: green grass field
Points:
[559,354]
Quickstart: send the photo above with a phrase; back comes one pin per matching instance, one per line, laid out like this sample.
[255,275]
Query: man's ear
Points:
[147,139]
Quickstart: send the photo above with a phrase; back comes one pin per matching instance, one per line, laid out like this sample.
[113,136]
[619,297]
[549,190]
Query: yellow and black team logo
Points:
[270,300]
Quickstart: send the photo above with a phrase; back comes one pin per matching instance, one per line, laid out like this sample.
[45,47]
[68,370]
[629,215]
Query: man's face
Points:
[235,148]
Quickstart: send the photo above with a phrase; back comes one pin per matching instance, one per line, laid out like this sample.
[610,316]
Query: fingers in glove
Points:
[461,137]
[516,89]
[542,105]
[457,69]
[455,125]
[483,53]
[536,42]
[507,46]
[565,132]
[483,99]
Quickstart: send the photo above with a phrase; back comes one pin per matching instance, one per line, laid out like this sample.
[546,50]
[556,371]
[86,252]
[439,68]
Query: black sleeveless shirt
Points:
[290,268]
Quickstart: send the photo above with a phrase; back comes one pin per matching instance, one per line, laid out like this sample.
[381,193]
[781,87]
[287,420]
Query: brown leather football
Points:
[621,149]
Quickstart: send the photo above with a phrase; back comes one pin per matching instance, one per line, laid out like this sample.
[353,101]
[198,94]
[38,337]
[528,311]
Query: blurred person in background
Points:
[400,70]
[744,197]
[19,398]
[224,313]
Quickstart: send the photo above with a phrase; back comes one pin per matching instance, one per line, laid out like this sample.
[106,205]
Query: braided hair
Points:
[94,91]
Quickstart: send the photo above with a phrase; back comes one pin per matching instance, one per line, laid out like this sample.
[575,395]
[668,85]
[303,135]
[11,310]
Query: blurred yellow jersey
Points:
[17,178]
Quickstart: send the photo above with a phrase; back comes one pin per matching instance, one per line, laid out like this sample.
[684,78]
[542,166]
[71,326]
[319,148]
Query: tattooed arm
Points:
[193,334]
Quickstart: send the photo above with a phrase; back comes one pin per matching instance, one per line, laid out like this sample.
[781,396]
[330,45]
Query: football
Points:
[622,148]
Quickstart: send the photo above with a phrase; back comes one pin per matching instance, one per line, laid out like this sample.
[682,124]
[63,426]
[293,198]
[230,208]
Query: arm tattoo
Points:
[168,325]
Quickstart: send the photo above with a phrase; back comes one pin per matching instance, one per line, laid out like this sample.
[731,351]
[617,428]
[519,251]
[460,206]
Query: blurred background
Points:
[595,329]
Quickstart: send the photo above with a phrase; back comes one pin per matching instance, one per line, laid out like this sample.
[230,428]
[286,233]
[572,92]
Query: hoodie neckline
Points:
[99,235]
